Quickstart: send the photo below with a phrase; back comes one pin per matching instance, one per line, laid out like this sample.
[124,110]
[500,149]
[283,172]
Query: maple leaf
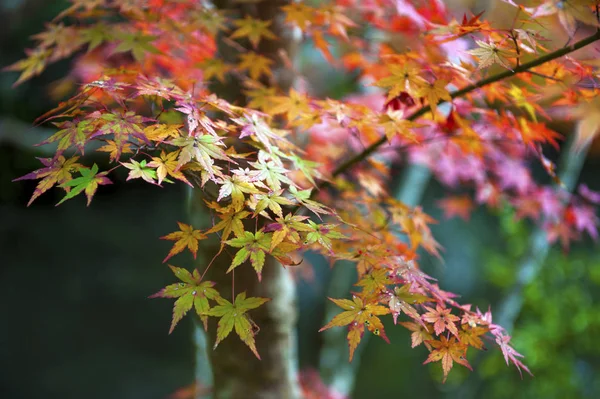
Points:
[434,92]
[136,43]
[256,65]
[160,132]
[187,237]
[122,126]
[442,319]
[375,281]
[448,351]
[232,222]
[287,227]
[235,186]
[31,66]
[253,126]
[404,78]
[214,67]
[113,149]
[489,54]
[358,314]
[233,315]
[89,181]
[534,133]
[72,133]
[470,335]
[303,196]
[272,173]
[95,35]
[167,165]
[204,148]
[402,300]
[394,124]
[140,170]
[272,201]
[294,106]
[192,291]
[253,246]
[323,234]
[301,15]
[421,333]
[252,29]
[510,353]
[56,170]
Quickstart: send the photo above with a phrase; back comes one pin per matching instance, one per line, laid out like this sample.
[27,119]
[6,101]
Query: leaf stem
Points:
[463,92]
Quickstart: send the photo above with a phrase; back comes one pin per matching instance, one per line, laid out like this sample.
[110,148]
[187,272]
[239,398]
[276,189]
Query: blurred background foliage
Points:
[78,324]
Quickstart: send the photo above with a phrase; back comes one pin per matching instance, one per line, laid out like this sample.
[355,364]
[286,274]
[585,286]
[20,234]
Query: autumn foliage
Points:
[288,173]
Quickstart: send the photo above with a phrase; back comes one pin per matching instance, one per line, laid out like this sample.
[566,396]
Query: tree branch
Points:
[336,371]
[463,92]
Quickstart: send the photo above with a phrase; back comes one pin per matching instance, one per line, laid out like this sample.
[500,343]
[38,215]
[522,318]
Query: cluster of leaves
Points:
[144,102]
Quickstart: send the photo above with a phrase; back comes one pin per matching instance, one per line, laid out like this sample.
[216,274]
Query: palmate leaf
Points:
[233,316]
[489,54]
[253,246]
[204,148]
[190,292]
[72,133]
[89,181]
[187,237]
[448,351]
[252,29]
[256,65]
[358,313]
[167,164]
[57,170]
[140,170]
[402,300]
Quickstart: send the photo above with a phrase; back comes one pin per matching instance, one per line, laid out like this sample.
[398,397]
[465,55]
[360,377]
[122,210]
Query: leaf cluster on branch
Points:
[288,172]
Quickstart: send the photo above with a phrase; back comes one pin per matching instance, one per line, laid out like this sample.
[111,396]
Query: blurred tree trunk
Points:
[236,372]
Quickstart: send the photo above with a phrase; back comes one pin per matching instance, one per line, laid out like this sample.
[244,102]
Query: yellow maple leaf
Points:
[405,77]
[434,92]
[253,29]
[256,64]
[186,238]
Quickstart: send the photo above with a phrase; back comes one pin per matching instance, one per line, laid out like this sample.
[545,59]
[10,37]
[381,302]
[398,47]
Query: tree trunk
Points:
[236,372]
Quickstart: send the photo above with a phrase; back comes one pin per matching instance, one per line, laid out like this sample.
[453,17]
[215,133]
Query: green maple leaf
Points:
[71,133]
[233,315]
[137,43]
[375,281]
[190,292]
[140,170]
[89,181]
[323,234]
[253,246]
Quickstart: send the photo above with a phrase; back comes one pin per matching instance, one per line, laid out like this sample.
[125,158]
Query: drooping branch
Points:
[336,371]
[350,163]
